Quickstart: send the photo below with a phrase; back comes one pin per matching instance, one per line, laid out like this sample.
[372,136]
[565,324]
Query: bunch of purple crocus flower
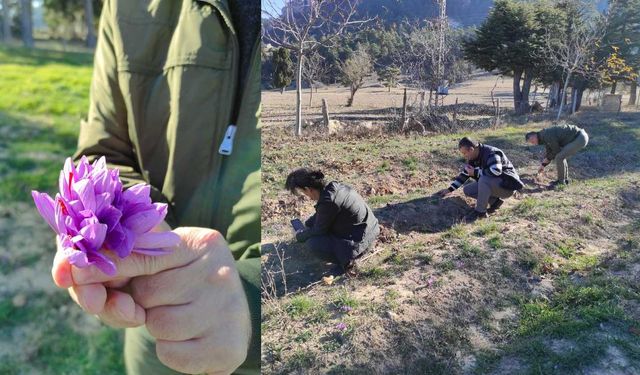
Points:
[92,214]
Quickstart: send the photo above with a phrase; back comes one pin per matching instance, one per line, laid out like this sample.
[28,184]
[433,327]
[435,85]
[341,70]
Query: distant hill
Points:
[461,12]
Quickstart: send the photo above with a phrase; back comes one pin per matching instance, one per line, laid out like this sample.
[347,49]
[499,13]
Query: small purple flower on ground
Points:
[346,309]
[91,214]
[432,279]
[341,326]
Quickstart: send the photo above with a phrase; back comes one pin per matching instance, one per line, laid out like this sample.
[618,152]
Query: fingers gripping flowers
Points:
[92,214]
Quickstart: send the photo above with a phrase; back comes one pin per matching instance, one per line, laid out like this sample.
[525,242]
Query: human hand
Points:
[191,301]
[444,192]
[469,169]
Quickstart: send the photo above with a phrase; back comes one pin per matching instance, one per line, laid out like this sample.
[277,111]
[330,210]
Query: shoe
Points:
[475,215]
[494,207]
[351,269]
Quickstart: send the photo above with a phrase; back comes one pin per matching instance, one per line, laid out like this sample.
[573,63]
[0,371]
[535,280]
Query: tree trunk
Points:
[282,89]
[526,89]
[574,99]
[613,87]
[517,94]
[579,99]
[27,23]
[299,94]
[310,92]
[88,16]
[633,92]
[353,93]
[6,21]
[564,90]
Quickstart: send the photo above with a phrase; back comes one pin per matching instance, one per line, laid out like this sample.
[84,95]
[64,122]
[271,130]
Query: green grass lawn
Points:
[43,97]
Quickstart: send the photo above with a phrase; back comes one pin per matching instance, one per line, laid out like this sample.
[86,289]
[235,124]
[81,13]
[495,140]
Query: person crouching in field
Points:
[561,142]
[497,179]
[343,227]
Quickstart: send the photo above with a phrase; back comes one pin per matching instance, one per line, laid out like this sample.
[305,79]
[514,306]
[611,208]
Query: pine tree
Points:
[283,68]
[511,40]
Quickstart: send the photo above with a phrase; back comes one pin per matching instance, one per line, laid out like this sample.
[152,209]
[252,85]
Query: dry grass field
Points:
[548,285]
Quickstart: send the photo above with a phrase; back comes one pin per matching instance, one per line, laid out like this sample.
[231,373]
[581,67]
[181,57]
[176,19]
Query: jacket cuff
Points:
[303,235]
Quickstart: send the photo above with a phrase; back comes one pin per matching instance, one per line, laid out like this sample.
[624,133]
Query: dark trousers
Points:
[333,249]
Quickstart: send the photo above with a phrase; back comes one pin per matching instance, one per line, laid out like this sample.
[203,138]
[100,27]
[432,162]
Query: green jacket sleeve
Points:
[550,140]
[106,132]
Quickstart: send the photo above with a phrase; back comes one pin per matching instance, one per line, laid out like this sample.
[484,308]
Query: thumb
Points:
[61,271]
[194,242]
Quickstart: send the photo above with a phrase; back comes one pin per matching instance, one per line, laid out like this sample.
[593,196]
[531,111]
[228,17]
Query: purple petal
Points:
[120,240]
[60,215]
[110,216]
[76,257]
[144,221]
[63,181]
[101,181]
[83,168]
[94,234]
[153,240]
[137,194]
[151,251]
[100,164]
[70,225]
[86,194]
[46,208]
[103,200]
[103,263]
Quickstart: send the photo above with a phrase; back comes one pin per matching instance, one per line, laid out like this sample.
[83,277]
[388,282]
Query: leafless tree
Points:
[574,53]
[422,59]
[354,70]
[303,26]
[313,70]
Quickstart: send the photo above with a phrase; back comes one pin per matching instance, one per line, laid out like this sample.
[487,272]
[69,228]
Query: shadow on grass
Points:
[290,267]
[427,215]
[39,56]
[31,155]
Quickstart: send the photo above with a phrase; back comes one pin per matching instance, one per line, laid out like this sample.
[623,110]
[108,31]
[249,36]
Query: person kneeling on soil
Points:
[343,227]
[496,177]
[561,142]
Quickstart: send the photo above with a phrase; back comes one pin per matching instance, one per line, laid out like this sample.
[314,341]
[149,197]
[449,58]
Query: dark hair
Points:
[305,178]
[467,142]
[529,135]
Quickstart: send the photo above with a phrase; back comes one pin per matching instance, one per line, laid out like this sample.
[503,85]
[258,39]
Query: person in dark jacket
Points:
[497,179]
[343,227]
[561,142]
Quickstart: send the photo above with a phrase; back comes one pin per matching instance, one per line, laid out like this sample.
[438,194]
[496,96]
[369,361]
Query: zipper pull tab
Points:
[226,147]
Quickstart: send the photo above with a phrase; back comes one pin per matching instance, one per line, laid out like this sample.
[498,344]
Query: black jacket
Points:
[491,161]
[341,212]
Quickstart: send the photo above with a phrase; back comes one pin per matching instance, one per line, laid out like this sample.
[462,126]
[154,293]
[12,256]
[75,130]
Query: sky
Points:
[278,4]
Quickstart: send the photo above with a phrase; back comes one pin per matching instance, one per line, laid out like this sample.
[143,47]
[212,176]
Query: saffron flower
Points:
[92,214]
[341,326]
[346,309]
